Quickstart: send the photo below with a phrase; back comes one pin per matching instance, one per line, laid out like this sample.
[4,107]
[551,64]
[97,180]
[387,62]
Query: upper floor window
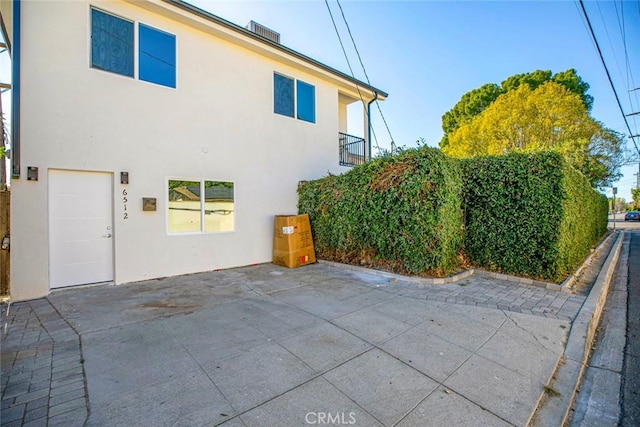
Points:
[111,43]
[113,47]
[283,95]
[306,101]
[157,56]
[289,98]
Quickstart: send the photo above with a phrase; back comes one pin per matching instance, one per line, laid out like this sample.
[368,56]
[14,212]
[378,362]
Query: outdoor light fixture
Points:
[32,173]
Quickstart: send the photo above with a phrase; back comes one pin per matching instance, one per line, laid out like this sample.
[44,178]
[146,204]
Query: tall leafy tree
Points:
[635,195]
[477,100]
[572,81]
[470,105]
[550,117]
[533,80]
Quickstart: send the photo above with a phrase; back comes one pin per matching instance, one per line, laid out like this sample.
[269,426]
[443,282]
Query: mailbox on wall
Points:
[149,204]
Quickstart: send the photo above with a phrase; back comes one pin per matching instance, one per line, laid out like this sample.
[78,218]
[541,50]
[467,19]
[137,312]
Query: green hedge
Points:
[526,214]
[401,213]
[584,222]
[530,214]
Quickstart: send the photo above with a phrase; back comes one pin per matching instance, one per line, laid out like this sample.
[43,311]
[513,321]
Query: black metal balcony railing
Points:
[352,150]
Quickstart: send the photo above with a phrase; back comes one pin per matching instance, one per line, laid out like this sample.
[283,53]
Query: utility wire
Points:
[366,113]
[606,30]
[364,69]
[615,93]
[613,50]
[629,73]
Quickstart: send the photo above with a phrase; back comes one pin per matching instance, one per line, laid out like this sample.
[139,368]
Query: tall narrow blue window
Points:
[156,56]
[111,43]
[282,95]
[306,97]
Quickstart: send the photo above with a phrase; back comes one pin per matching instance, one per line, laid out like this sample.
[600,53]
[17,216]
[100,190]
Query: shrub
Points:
[401,213]
[529,214]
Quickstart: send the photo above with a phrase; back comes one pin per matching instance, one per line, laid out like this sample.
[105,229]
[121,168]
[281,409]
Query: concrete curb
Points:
[571,366]
[446,280]
[413,279]
[570,281]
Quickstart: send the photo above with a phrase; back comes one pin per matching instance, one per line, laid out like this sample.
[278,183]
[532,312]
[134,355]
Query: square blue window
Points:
[156,56]
[306,96]
[111,43]
[282,95]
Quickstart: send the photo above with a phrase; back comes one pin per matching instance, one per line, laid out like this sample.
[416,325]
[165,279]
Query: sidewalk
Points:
[598,402]
[266,345]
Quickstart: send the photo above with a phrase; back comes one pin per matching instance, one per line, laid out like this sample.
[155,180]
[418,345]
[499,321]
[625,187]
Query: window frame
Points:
[296,104]
[133,47]
[175,54]
[293,95]
[305,85]
[202,230]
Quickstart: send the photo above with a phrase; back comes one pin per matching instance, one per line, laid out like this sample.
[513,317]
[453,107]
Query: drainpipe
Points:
[15,92]
[375,96]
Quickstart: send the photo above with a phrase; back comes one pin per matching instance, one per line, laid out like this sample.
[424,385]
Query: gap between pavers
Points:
[554,410]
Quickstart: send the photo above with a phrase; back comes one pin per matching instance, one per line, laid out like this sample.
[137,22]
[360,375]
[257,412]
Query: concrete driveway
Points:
[268,346]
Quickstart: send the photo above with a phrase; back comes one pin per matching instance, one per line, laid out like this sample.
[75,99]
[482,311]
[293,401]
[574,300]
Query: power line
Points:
[630,80]
[344,18]
[606,30]
[595,40]
[344,51]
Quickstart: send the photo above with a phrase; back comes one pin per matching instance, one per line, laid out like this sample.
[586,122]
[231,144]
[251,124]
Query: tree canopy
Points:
[477,100]
[635,195]
[548,117]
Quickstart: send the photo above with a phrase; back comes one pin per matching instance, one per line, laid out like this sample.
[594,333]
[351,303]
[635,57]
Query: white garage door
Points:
[80,228]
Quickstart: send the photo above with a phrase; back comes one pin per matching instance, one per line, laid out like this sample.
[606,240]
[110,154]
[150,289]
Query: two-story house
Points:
[152,139]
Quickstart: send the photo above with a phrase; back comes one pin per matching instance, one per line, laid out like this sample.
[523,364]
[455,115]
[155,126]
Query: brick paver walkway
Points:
[42,375]
[491,293]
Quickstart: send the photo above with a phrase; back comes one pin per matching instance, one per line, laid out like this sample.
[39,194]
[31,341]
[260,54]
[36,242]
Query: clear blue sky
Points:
[427,54]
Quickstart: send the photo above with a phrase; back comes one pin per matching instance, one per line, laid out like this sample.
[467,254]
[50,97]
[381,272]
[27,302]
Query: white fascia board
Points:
[186,14]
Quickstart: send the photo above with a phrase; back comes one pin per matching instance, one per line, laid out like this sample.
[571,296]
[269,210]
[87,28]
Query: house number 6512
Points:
[124,203]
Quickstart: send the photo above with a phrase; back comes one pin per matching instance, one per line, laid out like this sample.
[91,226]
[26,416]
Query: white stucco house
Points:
[152,139]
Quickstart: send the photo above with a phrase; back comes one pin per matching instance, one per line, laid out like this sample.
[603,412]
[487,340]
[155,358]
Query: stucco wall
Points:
[218,124]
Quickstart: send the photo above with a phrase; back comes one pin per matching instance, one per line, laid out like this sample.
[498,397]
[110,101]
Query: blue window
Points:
[156,56]
[288,98]
[306,101]
[111,43]
[282,95]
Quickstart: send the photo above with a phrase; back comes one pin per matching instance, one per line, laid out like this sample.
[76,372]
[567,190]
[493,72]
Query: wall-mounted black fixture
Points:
[32,173]
[124,177]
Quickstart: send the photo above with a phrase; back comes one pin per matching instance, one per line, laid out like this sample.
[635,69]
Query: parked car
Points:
[632,216]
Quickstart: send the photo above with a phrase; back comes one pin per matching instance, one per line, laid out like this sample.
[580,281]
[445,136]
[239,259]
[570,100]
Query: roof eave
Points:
[381,95]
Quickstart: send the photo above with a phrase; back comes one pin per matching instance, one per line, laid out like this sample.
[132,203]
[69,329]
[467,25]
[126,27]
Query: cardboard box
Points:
[292,241]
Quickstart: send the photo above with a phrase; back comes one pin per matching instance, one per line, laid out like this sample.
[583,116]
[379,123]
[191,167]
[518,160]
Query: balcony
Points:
[352,150]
